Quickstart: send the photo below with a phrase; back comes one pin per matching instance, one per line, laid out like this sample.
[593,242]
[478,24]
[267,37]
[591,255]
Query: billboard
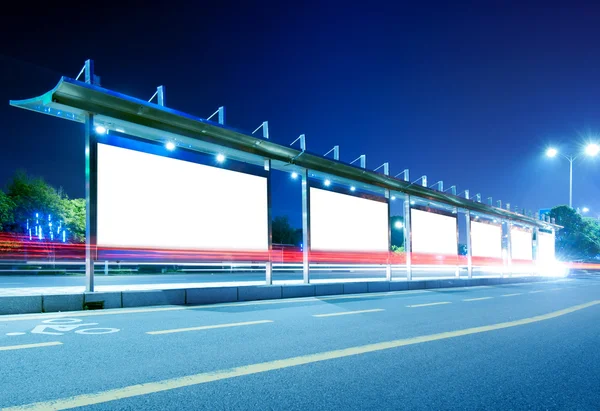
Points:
[521,241]
[545,247]
[146,200]
[341,222]
[433,233]
[486,239]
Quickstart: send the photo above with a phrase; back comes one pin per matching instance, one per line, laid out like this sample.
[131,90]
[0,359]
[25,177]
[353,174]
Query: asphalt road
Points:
[523,346]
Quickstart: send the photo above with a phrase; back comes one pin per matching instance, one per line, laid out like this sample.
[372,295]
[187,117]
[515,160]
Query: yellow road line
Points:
[117,311]
[478,299]
[208,327]
[511,295]
[428,304]
[25,346]
[349,313]
[536,291]
[203,378]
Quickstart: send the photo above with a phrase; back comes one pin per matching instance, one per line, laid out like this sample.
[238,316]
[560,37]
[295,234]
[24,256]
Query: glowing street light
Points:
[100,129]
[585,210]
[591,150]
[352,188]
[220,158]
[170,146]
[327,183]
[294,175]
[398,225]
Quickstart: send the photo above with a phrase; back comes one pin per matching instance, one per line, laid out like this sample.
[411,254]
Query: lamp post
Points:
[591,150]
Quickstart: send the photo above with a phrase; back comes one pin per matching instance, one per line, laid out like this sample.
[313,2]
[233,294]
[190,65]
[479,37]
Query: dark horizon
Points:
[470,96]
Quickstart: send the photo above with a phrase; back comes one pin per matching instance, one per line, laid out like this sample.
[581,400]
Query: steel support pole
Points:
[509,248]
[571,182]
[91,200]
[305,228]
[536,237]
[269,263]
[469,249]
[407,237]
[388,267]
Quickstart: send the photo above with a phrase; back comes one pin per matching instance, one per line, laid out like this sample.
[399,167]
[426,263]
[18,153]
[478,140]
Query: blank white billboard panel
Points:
[145,200]
[433,233]
[545,247]
[521,244]
[340,222]
[486,240]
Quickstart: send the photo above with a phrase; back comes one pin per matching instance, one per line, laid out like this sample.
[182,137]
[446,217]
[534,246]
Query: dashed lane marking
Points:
[478,299]
[208,327]
[26,346]
[349,313]
[511,295]
[428,304]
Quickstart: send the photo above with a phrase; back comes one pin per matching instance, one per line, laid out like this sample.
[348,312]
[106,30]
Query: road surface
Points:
[521,346]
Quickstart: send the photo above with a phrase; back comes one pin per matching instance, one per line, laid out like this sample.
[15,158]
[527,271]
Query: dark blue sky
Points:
[468,94]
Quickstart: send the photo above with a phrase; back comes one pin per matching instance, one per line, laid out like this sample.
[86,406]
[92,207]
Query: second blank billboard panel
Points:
[340,222]
[546,247]
[433,233]
[521,244]
[145,200]
[486,240]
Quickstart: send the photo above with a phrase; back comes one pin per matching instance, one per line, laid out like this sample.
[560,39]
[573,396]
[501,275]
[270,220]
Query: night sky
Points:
[470,94]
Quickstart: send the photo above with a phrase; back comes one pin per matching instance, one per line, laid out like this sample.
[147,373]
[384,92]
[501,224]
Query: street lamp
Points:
[585,210]
[590,150]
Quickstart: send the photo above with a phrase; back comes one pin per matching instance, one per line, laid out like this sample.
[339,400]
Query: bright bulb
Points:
[100,129]
[398,225]
[592,150]
[294,175]
[352,188]
[393,197]
[585,209]
[170,146]
[551,152]
[327,183]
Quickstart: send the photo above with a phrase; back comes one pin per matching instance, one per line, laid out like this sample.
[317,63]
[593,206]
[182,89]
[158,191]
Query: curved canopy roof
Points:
[72,100]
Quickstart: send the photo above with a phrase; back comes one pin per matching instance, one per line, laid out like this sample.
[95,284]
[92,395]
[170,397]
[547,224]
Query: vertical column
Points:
[469,250]
[534,251]
[91,200]
[269,264]
[305,227]
[509,248]
[388,268]
[407,237]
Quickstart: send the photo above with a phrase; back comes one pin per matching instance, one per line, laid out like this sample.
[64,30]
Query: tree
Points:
[283,232]
[579,238]
[74,218]
[30,196]
[6,211]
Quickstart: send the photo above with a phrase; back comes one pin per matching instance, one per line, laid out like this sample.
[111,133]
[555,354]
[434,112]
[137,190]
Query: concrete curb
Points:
[214,295]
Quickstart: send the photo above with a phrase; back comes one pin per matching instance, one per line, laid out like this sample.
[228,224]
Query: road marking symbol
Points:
[349,313]
[428,304]
[511,295]
[478,299]
[208,327]
[25,346]
[70,324]
[203,378]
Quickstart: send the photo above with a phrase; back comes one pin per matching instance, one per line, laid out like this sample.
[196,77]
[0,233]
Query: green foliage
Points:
[580,237]
[74,218]
[397,249]
[32,195]
[6,211]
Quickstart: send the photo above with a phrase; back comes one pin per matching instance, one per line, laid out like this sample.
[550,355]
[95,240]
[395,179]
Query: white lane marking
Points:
[208,327]
[25,346]
[511,295]
[428,304]
[15,333]
[536,291]
[349,313]
[554,289]
[478,299]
